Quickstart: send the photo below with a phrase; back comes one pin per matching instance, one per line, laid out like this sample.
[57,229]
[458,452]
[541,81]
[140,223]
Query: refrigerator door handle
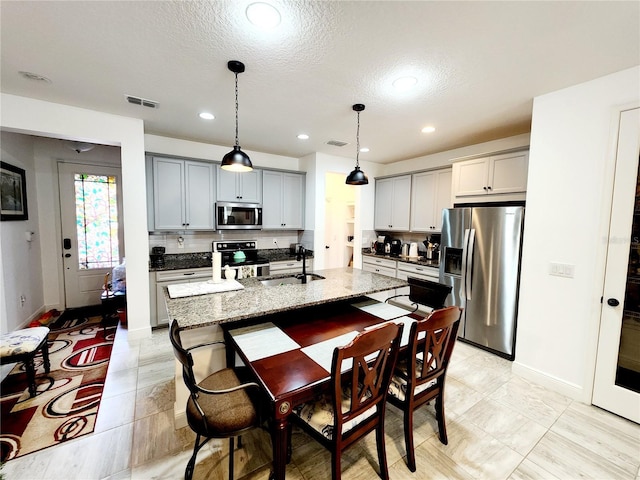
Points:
[463,270]
[468,260]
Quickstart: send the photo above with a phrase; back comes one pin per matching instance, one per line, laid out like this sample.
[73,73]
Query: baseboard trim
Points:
[571,390]
[138,333]
[179,416]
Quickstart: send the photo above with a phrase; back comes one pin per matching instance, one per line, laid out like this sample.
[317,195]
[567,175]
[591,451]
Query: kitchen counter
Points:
[257,300]
[179,261]
[418,261]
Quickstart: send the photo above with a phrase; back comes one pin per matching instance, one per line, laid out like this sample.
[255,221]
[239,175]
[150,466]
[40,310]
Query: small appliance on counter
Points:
[383,245]
[413,250]
[396,248]
[156,257]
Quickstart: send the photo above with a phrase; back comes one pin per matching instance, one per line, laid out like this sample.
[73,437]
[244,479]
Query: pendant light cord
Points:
[237,110]
[358,142]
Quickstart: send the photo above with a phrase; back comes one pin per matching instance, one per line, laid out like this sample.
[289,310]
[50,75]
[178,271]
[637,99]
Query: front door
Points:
[617,379]
[92,232]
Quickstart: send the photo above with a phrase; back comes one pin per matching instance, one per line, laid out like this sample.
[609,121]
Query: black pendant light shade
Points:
[357,176]
[236,160]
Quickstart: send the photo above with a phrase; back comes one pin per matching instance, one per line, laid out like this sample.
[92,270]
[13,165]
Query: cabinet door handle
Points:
[613,302]
[489,187]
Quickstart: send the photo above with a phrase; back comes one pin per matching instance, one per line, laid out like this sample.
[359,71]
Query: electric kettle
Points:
[413,249]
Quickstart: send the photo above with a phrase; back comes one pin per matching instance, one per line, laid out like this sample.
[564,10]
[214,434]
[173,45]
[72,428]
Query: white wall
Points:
[444,159]
[29,116]
[206,151]
[21,271]
[570,181]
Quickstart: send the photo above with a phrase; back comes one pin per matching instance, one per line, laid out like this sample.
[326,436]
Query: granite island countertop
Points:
[257,300]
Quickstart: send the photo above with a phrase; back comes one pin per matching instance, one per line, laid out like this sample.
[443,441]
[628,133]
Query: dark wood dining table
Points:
[292,377]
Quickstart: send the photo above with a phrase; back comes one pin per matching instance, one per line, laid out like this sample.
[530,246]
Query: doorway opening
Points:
[339,221]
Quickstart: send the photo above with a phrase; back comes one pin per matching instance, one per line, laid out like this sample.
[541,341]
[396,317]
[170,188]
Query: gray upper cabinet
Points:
[283,200]
[492,176]
[239,186]
[430,193]
[393,197]
[183,194]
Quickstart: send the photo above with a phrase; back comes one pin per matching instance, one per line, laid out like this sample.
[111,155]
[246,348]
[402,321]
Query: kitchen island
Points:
[256,299]
[201,316]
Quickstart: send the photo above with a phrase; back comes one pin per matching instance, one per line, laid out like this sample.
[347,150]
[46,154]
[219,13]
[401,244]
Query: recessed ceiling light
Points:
[428,129]
[35,76]
[364,149]
[405,83]
[303,136]
[207,116]
[263,15]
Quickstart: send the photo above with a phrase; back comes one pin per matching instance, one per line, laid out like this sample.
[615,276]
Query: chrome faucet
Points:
[302,253]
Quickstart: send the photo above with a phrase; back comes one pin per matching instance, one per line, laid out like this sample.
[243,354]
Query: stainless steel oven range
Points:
[242,256]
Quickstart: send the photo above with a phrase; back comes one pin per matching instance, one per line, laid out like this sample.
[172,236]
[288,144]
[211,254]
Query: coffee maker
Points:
[381,243]
[156,257]
[396,247]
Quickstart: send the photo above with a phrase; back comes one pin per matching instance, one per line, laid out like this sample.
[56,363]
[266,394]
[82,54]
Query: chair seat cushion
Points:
[398,385]
[225,413]
[320,415]
[23,341]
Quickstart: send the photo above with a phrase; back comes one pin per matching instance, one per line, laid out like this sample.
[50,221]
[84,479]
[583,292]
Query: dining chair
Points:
[420,373]
[220,406]
[355,404]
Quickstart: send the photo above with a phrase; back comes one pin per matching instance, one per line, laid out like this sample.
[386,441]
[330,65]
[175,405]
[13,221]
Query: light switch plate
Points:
[562,269]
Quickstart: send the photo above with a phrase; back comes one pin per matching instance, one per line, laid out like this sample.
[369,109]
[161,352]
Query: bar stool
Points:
[22,346]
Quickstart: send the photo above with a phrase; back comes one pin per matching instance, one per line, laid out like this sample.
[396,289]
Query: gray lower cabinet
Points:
[282,200]
[159,280]
[289,266]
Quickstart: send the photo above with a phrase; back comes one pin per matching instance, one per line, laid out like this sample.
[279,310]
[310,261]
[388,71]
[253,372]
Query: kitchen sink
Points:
[290,280]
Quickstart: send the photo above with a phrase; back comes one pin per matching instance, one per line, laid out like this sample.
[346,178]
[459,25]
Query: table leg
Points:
[279,439]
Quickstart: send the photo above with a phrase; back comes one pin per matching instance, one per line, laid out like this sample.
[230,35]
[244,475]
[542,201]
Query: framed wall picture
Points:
[13,193]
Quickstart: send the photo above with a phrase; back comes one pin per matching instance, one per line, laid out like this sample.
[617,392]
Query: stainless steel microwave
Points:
[238,216]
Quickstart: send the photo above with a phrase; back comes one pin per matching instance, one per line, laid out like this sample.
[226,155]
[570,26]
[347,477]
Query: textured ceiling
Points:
[479,65]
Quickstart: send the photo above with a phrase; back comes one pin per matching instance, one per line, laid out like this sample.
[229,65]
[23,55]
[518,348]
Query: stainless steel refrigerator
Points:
[480,259]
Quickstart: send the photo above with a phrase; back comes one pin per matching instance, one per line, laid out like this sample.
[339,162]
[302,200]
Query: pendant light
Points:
[236,160]
[357,176]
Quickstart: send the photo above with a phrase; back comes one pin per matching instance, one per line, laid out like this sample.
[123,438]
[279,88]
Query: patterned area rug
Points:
[67,399]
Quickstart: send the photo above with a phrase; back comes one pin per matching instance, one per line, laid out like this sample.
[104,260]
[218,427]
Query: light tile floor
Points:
[499,427]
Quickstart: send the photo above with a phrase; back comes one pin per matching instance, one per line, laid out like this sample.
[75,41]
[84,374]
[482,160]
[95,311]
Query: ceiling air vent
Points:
[141,101]
[337,143]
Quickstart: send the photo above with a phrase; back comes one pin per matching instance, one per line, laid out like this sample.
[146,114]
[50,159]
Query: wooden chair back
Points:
[373,355]
[432,339]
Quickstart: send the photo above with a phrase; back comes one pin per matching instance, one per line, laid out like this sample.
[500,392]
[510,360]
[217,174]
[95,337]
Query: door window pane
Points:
[96,221]
[628,371]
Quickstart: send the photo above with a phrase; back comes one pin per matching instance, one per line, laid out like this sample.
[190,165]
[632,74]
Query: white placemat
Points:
[322,353]
[202,288]
[382,310]
[262,341]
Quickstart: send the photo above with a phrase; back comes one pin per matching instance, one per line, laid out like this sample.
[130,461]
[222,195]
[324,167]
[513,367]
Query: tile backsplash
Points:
[194,242]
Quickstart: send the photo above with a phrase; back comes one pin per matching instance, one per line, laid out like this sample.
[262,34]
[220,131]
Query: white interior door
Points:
[617,378]
[92,232]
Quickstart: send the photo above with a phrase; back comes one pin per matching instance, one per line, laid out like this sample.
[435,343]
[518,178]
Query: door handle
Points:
[326,246]
[613,302]
[67,255]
